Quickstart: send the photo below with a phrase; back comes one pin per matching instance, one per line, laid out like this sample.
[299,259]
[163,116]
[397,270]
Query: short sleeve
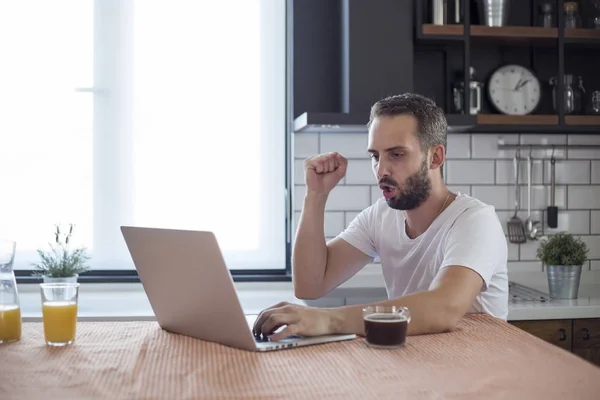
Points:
[477,241]
[360,232]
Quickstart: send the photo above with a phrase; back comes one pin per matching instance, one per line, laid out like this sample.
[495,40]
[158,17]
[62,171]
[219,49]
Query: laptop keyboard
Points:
[261,338]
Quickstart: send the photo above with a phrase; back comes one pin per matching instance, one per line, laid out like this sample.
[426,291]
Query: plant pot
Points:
[69,279]
[563,281]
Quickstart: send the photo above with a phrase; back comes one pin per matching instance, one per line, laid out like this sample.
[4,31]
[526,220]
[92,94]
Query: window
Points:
[156,113]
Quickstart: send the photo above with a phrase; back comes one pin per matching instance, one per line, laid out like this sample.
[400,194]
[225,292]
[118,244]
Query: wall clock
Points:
[514,90]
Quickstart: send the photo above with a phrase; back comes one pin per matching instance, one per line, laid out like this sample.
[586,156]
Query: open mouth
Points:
[388,191]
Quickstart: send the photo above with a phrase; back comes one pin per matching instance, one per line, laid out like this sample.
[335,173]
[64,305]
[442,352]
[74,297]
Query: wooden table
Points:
[483,358]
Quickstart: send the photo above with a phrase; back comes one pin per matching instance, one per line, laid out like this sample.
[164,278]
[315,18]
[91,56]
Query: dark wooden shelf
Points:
[504,32]
[508,34]
[501,119]
[443,30]
[582,34]
[500,123]
[588,120]
[515,32]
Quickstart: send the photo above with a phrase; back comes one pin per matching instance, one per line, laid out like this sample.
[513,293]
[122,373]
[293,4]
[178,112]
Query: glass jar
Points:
[572,18]
[594,103]
[593,11]
[573,93]
[546,17]
[475,93]
[10,308]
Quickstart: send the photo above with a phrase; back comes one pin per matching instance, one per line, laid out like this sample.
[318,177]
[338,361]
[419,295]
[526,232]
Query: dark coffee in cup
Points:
[386,329]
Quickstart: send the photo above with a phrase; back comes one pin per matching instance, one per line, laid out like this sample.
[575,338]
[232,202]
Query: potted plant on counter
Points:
[61,263]
[563,256]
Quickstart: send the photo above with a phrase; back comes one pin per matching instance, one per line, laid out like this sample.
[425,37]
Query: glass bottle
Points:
[572,18]
[10,308]
[594,103]
[546,16]
[475,94]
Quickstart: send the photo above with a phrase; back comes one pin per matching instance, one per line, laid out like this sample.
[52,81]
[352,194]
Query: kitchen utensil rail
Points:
[502,146]
[553,147]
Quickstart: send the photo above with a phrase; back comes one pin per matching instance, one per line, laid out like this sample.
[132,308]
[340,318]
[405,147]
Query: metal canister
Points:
[439,12]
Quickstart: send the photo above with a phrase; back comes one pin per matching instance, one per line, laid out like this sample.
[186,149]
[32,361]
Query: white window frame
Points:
[112,92]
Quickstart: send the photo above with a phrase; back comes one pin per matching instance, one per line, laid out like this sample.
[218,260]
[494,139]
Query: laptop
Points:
[192,293]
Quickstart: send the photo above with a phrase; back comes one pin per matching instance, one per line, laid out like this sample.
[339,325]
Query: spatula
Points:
[552,209]
[516,230]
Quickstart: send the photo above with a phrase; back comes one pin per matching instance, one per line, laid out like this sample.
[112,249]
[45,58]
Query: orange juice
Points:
[60,320]
[10,323]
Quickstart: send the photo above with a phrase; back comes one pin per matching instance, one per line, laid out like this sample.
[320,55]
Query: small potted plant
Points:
[61,263]
[563,256]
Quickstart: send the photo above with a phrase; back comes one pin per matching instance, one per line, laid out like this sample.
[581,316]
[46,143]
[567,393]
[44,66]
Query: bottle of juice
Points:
[10,310]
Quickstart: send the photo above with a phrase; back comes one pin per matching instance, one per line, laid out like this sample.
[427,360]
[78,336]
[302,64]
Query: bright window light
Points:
[159,113]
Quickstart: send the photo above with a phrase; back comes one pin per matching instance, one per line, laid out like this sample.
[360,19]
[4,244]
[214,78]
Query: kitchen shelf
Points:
[520,32]
[444,30]
[500,123]
[509,34]
[444,53]
[501,119]
[593,34]
[454,32]
[583,120]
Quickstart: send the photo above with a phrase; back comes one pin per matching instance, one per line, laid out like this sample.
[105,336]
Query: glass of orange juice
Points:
[59,312]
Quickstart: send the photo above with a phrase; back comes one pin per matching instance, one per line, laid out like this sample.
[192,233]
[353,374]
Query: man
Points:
[443,254]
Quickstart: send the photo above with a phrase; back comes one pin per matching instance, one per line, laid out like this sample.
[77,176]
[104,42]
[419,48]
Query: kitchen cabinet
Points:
[346,54]
[555,331]
[580,336]
[446,52]
[586,339]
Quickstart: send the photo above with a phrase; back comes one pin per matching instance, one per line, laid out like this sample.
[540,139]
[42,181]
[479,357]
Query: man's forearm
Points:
[431,312]
[309,258]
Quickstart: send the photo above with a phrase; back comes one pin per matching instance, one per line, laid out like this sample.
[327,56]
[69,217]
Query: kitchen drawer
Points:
[555,331]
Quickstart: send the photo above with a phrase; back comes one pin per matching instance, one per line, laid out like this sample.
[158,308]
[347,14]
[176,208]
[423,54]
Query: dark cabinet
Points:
[580,336]
[521,43]
[586,339]
[346,54]
[558,332]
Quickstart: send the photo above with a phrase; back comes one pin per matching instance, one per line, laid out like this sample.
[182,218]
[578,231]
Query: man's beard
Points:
[414,192]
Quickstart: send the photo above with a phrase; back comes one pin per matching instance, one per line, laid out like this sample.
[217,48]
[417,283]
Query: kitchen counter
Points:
[587,305]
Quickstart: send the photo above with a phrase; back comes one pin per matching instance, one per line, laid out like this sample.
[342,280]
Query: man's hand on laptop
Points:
[296,320]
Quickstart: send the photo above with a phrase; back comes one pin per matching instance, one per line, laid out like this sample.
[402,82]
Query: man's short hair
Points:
[431,119]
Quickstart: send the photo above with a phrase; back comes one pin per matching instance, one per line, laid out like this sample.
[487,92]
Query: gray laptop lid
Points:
[188,284]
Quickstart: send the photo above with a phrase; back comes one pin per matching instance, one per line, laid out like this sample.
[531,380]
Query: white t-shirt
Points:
[467,233]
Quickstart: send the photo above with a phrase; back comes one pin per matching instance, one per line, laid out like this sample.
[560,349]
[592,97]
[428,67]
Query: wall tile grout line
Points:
[495,172]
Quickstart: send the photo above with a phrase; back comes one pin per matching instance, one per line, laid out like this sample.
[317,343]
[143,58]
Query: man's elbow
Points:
[452,315]
[446,319]
[307,293]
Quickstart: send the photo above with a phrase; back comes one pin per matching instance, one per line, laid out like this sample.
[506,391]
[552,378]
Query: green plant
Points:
[562,249]
[61,261]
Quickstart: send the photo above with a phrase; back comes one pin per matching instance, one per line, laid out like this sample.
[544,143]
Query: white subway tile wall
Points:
[477,167]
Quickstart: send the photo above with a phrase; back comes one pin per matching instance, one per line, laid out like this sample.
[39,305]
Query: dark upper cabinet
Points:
[347,54]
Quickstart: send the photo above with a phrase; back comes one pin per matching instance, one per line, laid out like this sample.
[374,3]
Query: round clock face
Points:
[514,89]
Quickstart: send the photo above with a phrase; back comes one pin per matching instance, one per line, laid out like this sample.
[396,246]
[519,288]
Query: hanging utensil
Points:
[552,210]
[531,225]
[516,231]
